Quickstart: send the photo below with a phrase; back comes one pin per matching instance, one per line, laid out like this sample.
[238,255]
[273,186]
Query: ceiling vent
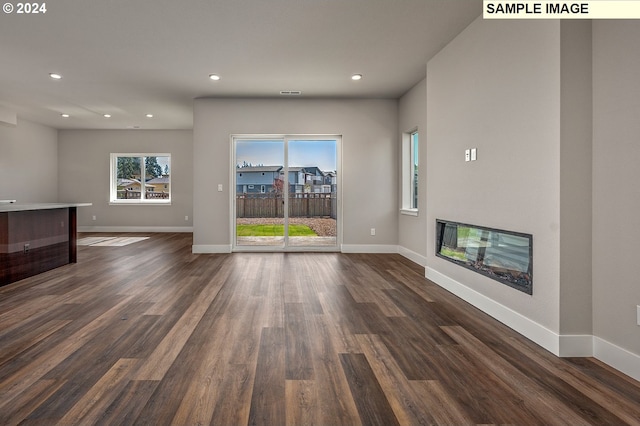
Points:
[290,92]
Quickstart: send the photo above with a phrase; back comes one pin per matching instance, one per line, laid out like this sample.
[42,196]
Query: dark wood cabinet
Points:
[34,240]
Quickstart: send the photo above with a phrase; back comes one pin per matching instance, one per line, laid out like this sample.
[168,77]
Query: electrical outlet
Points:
[467,155]
[373,231]
[219,187]
[26,247]
[94,217]
[186,218]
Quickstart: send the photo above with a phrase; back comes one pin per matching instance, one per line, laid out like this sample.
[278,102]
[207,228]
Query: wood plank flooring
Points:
[152,334]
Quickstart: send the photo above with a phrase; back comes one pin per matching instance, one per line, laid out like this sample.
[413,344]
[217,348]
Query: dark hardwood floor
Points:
[151,334]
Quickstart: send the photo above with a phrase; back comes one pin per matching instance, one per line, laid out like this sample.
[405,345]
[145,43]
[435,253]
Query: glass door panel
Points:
[286,193]
[260,190]
[312,199]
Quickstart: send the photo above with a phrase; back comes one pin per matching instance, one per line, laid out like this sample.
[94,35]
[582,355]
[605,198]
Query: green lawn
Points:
[273,231]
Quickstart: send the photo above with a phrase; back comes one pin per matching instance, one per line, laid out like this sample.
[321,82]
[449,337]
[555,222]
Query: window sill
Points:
[409,212]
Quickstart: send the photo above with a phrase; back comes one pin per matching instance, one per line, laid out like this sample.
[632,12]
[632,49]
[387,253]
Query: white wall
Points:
[412,114]
[616,183]
[496,87]
[84,161]
[28,163]
[369,132]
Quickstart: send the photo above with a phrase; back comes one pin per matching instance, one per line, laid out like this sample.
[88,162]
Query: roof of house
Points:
[160,180]
[125,182]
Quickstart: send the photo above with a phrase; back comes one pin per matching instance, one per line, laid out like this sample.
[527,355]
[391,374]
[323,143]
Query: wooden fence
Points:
[272,205]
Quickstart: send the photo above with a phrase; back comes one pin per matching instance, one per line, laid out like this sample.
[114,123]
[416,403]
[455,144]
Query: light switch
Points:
[474,154]
[219,187]
[467,155]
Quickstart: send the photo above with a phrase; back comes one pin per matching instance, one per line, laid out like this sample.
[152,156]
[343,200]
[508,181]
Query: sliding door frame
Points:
[233,186]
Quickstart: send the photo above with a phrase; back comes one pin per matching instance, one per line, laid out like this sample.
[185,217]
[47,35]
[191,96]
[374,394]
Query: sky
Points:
[301,153]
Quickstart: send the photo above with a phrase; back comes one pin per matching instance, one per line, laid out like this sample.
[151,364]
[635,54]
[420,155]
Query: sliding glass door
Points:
[259,184]
[286,192]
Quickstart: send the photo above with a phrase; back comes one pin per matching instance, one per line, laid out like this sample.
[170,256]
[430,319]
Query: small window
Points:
[414,170]
[410,144]
[140,178]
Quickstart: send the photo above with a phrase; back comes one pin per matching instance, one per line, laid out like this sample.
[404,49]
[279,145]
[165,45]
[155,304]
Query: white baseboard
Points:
[560,345]
[617,357]
[523,325]
[210,248]
[368,248]
[135,228]
[413,256]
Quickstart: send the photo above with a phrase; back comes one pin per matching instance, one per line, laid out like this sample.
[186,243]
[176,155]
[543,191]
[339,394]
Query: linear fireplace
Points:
[505,256]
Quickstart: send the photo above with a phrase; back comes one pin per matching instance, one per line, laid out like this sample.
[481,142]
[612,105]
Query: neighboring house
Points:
[132,185]
[154,188]
[264,179]
[257,179]
[331,178]
[296,180]
[309,179]
[160,184]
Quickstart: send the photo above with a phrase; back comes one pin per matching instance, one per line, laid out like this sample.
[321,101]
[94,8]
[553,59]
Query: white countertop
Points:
[17,207]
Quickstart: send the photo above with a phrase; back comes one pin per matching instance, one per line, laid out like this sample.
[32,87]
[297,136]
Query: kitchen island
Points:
[35,238]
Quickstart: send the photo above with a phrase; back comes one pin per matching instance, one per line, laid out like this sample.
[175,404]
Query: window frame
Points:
[410,179]
[113,180]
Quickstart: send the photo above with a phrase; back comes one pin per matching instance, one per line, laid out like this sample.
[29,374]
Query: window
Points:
[140,178]
[410,172]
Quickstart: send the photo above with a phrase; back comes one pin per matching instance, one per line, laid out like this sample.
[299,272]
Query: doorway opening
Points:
[287,193]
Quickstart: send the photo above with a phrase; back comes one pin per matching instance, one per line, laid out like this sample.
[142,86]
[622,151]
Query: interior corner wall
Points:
[496,87]
[575,179]
[84,162]
[28,163]
[412,114]
[616,183]
[369,130]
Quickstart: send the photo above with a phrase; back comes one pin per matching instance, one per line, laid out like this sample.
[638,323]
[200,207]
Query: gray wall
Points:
[575,179]
[616,183]
[496,87]
[369,132]
[412,113]
[28,163]
[84,161]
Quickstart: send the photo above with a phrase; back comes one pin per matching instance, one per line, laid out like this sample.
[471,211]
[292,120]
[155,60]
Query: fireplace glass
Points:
[505,256]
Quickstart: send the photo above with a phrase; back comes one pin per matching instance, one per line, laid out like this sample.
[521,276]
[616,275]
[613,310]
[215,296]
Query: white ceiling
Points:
[128,58]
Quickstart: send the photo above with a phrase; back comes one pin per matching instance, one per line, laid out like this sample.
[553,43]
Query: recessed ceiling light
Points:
[55,76]
[64,115]
[149,115]
[214,77]
[356,77]
[106,115]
